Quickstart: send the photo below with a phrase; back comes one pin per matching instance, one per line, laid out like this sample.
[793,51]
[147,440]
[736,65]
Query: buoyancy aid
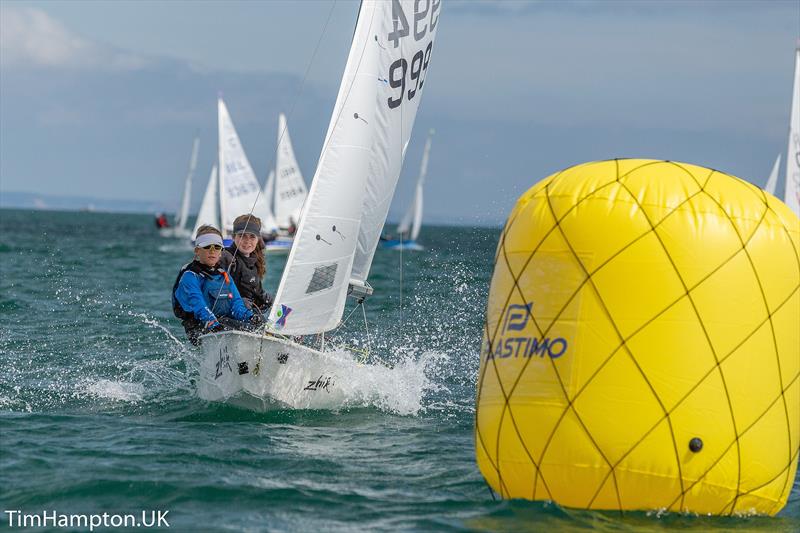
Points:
[244,271]
[219,294]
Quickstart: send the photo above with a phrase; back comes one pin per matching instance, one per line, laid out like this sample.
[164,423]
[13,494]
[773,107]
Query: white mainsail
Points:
[413,217]
[772,181]
[359,164]
[208,213]
[290,189]
[239,191]
[406,43]
[792,192]
[183,214]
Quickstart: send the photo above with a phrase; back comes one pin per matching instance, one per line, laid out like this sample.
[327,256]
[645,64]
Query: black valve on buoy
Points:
[696,444]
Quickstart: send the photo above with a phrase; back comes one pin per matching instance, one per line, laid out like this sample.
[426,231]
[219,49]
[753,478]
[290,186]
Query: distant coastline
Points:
[52,202]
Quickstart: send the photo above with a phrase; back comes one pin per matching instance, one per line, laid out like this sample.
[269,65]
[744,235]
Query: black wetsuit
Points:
[244,273]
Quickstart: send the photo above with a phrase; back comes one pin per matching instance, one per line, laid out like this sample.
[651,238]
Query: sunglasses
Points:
[213,247]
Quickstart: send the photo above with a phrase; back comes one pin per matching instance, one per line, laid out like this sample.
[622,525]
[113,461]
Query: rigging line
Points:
[302,86]
[346,319]
[366,328]
[401,282]
[272,162]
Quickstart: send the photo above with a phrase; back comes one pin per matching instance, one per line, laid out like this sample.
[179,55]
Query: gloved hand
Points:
[213,325]
[256,319]
[268,299]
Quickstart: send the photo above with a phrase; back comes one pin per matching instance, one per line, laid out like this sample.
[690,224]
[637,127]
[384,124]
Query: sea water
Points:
[99,414]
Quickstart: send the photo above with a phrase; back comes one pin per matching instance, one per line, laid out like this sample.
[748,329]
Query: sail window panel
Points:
[323,278]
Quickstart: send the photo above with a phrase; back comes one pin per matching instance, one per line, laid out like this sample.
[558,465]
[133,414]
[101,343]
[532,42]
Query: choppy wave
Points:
[97,383]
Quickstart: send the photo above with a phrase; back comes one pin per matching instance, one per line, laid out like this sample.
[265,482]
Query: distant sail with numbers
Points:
[359,165]
[290,189]
[239,191]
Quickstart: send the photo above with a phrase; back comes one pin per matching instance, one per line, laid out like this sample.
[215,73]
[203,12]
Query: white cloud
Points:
[30,37]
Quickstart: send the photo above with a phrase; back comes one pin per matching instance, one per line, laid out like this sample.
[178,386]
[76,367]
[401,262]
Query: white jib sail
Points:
[405,40]
[772,181]
[183,215]
[792,194]
[208,213]
[239,190]
[360,162]
[290,189]
[413,217]
[269,190]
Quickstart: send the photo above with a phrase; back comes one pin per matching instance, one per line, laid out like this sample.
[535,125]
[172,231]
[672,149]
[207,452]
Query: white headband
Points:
[207,239]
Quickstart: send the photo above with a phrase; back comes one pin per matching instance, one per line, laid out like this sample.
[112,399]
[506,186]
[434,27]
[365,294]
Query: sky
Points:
[104,99]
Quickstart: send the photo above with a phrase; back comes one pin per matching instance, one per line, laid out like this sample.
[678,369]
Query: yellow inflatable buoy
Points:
[642,343]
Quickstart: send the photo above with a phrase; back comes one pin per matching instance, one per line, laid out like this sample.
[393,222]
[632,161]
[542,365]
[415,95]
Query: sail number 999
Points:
[416,74]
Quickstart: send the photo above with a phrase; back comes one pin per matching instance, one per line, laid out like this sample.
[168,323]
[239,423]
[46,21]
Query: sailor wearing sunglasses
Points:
[204,297]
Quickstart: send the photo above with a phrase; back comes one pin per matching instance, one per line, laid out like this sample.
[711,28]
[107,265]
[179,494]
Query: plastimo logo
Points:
[514,343]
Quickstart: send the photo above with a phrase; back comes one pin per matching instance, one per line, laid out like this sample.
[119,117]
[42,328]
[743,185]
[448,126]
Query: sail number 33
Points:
[426,16]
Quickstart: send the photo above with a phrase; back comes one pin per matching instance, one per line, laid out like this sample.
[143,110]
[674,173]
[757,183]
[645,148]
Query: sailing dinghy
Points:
[772,181]
[341,221]
[209,207]
[239,190]
[791,196]
[180,230]
[412,220]
[232,189]
[281,244]
[289,191]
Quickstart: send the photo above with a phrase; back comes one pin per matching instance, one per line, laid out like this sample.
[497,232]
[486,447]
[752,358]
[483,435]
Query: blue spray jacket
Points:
[201,289]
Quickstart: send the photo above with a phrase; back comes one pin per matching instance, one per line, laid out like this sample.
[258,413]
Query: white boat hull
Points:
[278,246]
[402,245]
[264,373]
[175,232]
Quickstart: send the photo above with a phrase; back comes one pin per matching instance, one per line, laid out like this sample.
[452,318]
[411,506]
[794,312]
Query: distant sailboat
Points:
[772,181]
[239,190]
[413,218]
[180,230]
[341,221]
[290,188]
[792,192]
[286,192]
[209,208]
[269,190]
[232,189]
